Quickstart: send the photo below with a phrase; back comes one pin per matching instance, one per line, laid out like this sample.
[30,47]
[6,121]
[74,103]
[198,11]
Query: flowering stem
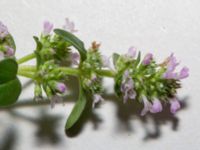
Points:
[29,71]
[25,74]
[27,68]
[106,73]
[26,58]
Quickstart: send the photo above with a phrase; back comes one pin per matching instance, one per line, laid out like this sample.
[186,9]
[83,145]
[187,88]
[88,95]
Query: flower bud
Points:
[156,107]
[61,87]
[47,28]
[131,52]
[9,51]
[184,73]
[3,31]
[147,59]
[69,26]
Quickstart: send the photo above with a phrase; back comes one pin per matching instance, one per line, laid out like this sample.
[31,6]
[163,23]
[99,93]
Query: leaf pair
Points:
[10,86]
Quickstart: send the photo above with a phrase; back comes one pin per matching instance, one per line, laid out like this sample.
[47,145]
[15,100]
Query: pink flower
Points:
[131,52]
[75,58]
[127,87]
[61,87]
[3,31]
[97,98]
[9,51]
[147,106]
[69,26]
[184,73]
[47,28]
[156,107]
[147,59]
[175,105]
[172,63]
[171,66]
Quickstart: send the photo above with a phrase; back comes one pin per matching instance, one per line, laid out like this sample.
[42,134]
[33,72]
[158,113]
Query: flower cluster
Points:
[92,82]
[7,47]
[147,82]
[51,53]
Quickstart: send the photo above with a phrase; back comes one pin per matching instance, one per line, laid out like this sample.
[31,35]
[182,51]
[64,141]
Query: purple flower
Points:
[61,87]
[96,99]
[156,107]
[3,31]
[127,87]
[174,105]
[172,63]
[69,26]
[184,73]
[147,106]
[75,58]
[131,52]
[47,28]
[171,66]
[9,51]
[105,61]
[1,55]
[147,59]
[170,75]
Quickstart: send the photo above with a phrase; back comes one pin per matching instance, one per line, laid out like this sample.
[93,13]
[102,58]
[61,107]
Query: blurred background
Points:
[160,27]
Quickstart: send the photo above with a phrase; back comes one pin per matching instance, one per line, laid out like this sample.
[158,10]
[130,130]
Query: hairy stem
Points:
[25,74]
[67,70]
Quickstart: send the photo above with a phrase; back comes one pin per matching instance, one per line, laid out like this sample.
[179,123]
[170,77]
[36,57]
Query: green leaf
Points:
[73,40]
[9,92]
[115,58]
[137,61]
[77,110]
[8,70]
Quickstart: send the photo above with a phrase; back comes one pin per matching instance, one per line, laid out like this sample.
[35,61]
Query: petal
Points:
[156,107]
[75,58]
[47,27]
[96,99]
[175,105]
[147,106]
[184,73]
[61,87]
[147,59]
[131,52]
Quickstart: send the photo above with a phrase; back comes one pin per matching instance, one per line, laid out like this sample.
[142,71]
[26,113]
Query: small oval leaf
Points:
[9,92]
[73,40]
[77,110]
[8,70]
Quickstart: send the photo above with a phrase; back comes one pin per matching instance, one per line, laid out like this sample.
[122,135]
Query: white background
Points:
[160,27]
